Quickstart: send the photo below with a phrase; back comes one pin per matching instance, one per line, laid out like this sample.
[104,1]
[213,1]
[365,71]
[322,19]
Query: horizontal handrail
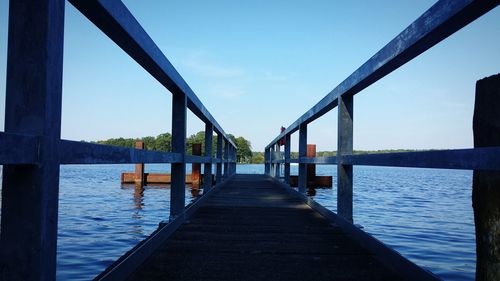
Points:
[74,152]
[23,149]
[440,21]
[465,159]
[198,159]
[484,158]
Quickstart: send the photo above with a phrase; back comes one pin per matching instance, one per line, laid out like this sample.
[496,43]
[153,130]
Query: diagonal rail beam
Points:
[115,20]
[440,21]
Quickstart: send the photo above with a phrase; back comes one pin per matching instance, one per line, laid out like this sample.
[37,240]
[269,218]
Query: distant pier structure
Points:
[140,177]
[313,181]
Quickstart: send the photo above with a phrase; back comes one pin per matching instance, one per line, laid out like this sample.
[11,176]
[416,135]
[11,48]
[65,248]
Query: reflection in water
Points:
[137,215]
[139,207]
[138,196]
[137,230]
[311,191]
[195,191]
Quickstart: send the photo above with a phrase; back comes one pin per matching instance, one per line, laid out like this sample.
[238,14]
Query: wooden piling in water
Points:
[311,168]
[140,178]
[313,181]
[196,167]
[486,184]
[139,167]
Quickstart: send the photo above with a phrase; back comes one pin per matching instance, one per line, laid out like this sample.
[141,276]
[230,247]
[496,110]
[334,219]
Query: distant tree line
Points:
[244,154]
[258,157]
[334,153]
[163,142]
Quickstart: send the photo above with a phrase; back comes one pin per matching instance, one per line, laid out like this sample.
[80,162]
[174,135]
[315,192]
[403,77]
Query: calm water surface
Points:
[425,214]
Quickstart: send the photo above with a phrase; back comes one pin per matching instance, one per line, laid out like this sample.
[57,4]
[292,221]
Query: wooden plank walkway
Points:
[252,229]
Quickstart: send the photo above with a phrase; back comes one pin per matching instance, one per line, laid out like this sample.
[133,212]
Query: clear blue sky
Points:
[258,65]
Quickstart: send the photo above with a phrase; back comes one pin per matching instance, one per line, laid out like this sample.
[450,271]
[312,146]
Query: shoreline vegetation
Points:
[245,155]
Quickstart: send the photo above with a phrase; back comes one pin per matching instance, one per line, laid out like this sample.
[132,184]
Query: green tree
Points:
[149,143]
[257,158]
[196,138]
[163,142]
[244,151]
[118,142]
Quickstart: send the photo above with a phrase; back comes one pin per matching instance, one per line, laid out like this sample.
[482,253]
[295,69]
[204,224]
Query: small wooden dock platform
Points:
[253,229]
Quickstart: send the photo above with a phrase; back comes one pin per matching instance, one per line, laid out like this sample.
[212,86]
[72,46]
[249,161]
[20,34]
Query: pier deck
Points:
[253,229]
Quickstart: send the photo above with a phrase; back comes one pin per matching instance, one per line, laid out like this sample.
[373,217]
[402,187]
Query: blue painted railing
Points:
[440,21]
[31,149]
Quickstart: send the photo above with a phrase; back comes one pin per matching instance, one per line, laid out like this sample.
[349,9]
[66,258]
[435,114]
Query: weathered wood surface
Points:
[486,184]
[317,181]
[33,96]
[139,167]
[150,178]
[252,229]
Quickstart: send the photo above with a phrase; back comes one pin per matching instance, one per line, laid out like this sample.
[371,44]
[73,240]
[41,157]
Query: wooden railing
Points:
[440,21]
[31,149]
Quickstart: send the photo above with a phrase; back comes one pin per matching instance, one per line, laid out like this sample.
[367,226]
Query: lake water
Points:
[425,214]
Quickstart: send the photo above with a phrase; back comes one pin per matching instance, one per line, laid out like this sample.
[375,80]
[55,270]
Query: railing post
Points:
[273,165]
[178,186]
[207,181]
[234,160]
[226,158]
[267,165]
[486,184]
[230,160]
[278,154]
[302,153]
[30,193]
[345,146]
[287,159]
[218,177]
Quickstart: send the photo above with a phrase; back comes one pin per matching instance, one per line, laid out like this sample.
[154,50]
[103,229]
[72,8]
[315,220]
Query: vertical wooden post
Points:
[226,158]
[218,176]
[287,158]
[267,165]
[278,157]
[486,184]
[345,146]
[207,180]
[178,186]
[139,167]
[229,159]
[234,159]
[311,168]
[196,167]
[302,153]
[30,193]
[273,158]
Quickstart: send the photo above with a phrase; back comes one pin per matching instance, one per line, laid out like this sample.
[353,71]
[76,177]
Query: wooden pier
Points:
[253,227]
[243,227]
